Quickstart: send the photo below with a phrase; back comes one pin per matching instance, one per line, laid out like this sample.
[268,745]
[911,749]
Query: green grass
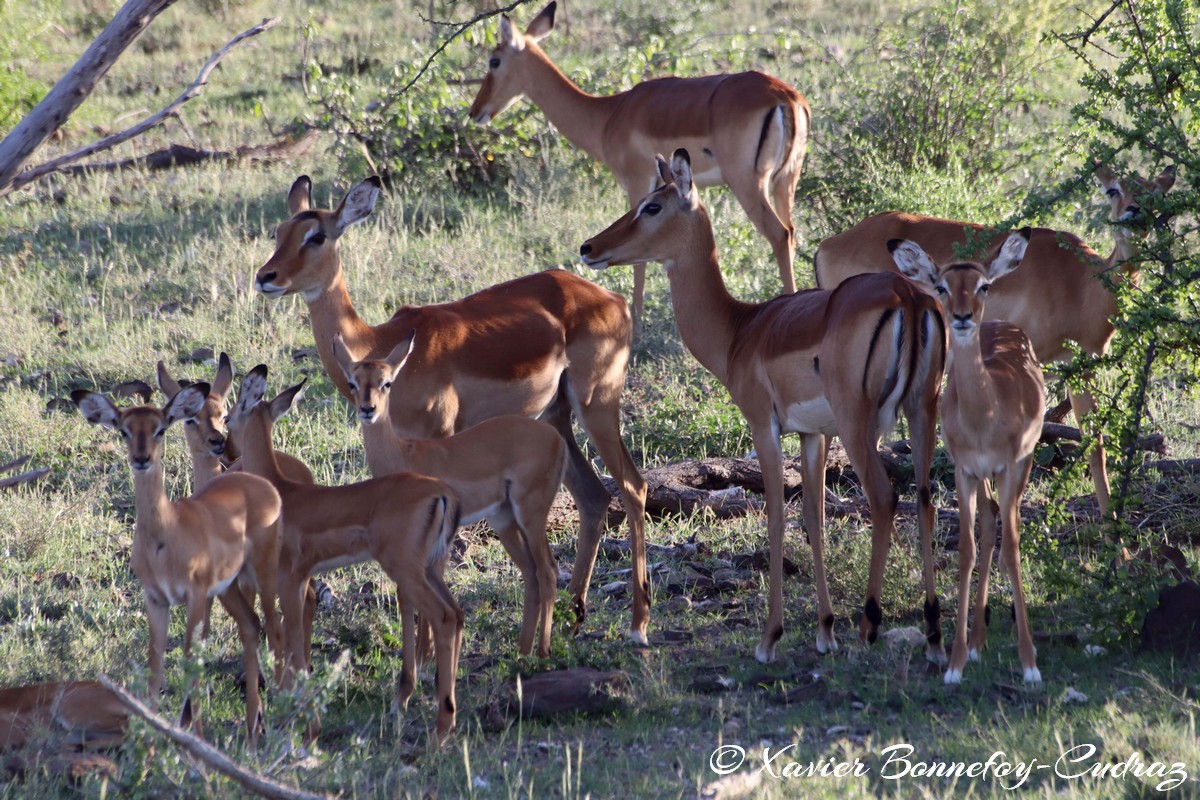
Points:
[122,270]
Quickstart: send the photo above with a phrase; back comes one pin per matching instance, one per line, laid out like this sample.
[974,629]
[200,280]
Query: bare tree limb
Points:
[108,142]
[251,781]
[74,87]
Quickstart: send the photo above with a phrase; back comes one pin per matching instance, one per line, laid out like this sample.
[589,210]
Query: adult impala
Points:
[404,522]
[747,131]
[1057,297]
[506,470]
[816,363]
[185,552]
[992,416]
[504,350]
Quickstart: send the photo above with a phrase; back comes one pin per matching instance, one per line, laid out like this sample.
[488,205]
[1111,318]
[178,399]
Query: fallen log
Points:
[178,155]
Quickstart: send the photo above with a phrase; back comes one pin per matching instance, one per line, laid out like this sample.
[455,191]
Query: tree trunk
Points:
[74,87]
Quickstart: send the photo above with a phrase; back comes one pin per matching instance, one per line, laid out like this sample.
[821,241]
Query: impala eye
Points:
[316,240]
[651,209]
[126,434]
[386,385]
[191,422]
[1112,192]
[353,386]
[983,289]
[942,290]
[494,63]
[158,434]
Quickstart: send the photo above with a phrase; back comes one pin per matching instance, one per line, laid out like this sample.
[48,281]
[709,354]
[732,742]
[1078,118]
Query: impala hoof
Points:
[826,643]
[765,653]
[936,655]
[1032,675]
[953,677]
[639,638]
[973,654]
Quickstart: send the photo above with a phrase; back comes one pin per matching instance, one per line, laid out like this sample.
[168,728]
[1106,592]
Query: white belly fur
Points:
[811,416]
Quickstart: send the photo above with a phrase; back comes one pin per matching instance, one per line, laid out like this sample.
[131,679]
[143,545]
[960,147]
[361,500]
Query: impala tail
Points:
[912,337]
[444,517]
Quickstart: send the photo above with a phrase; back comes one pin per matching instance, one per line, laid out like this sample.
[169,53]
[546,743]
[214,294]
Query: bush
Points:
[21,28]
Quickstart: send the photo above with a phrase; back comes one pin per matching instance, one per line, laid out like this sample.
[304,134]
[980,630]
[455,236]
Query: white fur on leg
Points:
[973,654]
[765,653]
[639,638]
[953,677]
[1032,675]
[826,642]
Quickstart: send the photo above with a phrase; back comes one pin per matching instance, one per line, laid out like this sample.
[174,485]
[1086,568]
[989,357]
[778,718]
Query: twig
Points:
[24,477]
[251,781]
[16,462]
[31,175]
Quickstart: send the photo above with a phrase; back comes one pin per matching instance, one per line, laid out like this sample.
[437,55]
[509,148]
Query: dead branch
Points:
[24,477]
[178,155]
[108,142]
[16,462]
[75,87]
[205,752]
[1053,431]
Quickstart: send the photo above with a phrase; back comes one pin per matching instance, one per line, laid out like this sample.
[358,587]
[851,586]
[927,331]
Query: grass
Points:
[102,276]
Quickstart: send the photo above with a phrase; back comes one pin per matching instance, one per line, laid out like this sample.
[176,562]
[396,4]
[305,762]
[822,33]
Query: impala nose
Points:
[585,249]
[141,462]
[270,276]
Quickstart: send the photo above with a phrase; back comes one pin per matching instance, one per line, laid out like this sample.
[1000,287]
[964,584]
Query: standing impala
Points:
[504,350]
[506,470]
[747,131]
[404,522]
[816,363]
[185,552]
[992,416]
[1057,297]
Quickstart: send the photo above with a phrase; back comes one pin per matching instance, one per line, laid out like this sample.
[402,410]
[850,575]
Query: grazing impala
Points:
[76,713]
[992,416]
[747,131]
[816,363]
[187,551]
[212,452]
[504,350]
[404,522]
[1057,297]
[506,470]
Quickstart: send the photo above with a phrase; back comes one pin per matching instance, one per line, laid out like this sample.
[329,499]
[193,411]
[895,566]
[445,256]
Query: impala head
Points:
[306,246]
[1131,200]
[961,286]
[650,232]
[252,408]
[505,80]
[142,427]
[206,432]
[370,381]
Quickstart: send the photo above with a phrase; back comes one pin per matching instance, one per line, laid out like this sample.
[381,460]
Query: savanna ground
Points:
[102,276]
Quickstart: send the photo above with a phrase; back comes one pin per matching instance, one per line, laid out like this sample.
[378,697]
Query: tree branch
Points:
[31,175]
[251,781]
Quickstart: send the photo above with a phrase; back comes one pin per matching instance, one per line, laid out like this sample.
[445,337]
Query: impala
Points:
[212,453]
[992,417]
[404,522]
[185,552]
[504,350]
[816,363]
[1057,297]
[79,713]
[506,470]
[747,131]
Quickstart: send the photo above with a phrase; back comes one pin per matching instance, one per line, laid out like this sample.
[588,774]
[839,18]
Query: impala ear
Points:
[97,408]
[913,262]
[681,173]
[1010,255]
[664,169]
[300,195]
[358,203]
[1104,176]
[342,354]
[1166,178]
[542,24]
[224,380]
[166,384]
[401,352]
[283,401]
[254,387]
[508,36]
[187,403]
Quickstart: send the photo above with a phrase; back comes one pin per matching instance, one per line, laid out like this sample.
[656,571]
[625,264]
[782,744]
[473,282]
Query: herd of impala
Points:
[466,407]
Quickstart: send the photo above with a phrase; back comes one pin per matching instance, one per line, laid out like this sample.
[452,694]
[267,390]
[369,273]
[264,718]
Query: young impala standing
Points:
[747,131]
[1059,296]
[506,470]
[816,363]
[504,350]
[185,552]
[992,416]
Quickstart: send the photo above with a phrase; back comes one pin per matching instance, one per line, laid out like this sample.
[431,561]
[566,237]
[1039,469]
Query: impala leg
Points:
[158,614]
[424,645]
[770,461]
[591,498]
[292,590]
[752,193]
[987,548]
[517,547]
[446,618]
[966,486]
[197,605]
[408,665]
[1012,486]
[1083,404]
[235,603]
[862,448]
[783,193]
[532,515]
[813,450]
[922,418]
[266,575]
